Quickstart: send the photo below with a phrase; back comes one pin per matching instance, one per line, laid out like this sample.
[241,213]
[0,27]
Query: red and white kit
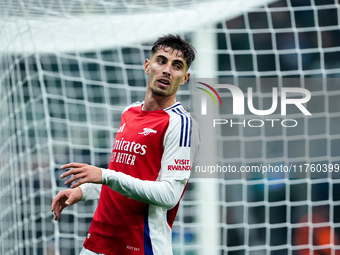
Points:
[148,171]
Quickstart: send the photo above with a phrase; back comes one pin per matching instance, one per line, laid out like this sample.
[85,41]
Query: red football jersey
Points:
[149,145]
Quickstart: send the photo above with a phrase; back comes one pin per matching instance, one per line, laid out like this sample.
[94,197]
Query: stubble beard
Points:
[159,92]
[162,92]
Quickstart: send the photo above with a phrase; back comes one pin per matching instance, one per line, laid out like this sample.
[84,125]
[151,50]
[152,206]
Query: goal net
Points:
[69,68]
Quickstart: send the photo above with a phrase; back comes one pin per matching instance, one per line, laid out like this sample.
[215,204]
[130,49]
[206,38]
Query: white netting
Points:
[68,68]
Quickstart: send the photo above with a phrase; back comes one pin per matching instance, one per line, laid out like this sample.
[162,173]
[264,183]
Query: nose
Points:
[166,70]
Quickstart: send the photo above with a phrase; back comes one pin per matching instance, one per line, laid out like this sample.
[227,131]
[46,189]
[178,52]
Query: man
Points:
[149,167]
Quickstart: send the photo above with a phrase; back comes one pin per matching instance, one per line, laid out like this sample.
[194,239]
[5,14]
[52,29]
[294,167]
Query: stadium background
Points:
[68,69]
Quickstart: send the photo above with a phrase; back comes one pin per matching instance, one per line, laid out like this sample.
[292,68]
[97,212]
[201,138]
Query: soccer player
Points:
[149,167]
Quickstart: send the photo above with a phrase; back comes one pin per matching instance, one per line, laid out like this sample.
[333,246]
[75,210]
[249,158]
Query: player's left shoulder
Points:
[178,112]
[180,118]
[183,130]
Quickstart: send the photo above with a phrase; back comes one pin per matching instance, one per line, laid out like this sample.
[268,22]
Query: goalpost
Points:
[69,68]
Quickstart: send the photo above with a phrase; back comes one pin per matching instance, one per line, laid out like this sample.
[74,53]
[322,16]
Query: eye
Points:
[178,66]
[161,61]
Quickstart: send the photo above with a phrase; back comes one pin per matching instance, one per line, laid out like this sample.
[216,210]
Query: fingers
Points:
[57,214]
[78,172]
[82,173]
[58,211]
[74,197]
[58,204]
[73,165]
[54,203]
[70,196]
[76,168]
[76,184]
[65,198]
[76,176]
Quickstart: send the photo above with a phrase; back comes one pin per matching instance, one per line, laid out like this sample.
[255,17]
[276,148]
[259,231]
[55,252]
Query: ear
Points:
[146,66]
[185,79]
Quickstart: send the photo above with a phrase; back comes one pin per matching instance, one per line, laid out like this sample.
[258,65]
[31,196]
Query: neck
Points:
[154,102]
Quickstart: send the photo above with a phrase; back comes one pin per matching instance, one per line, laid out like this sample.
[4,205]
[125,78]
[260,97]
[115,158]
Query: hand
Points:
[84,173]
[65,198]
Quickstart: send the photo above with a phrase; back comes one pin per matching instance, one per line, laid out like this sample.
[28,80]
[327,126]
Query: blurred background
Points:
[69,68]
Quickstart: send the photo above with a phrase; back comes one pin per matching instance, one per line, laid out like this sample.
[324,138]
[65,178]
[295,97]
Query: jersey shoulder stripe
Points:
[186,124]
[135,104]
[173,106]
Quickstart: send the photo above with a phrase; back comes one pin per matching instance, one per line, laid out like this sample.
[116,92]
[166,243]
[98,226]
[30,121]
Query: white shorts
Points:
[85,251]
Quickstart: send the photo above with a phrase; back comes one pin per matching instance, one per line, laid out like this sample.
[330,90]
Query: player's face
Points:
[167,70]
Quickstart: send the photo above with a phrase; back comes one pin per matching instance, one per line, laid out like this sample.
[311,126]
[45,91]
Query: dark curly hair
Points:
[175,42]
